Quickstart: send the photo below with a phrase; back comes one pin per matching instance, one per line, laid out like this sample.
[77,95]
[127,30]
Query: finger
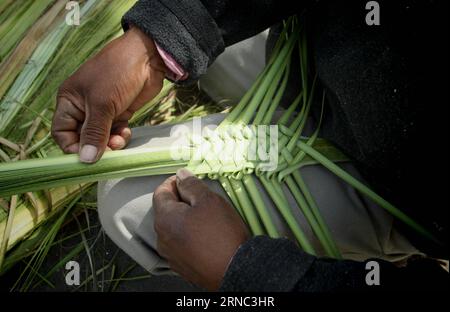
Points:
[95,132]
[65,123]
[191,189]
[168,210]
[120,136]
[119,141]
[165,194]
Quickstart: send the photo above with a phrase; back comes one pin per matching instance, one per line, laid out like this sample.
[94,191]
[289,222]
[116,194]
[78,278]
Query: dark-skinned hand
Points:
[96,102]
[198,230]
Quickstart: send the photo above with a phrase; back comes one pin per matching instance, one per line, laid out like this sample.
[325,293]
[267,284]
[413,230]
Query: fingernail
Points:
[88,153]
[183,174]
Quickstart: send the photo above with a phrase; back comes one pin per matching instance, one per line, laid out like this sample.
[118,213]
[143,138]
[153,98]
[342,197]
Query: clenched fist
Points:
[96,102]
[198,231]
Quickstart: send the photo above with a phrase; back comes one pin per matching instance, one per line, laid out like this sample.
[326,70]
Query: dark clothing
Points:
[386,109]
[265,264]
[195,32]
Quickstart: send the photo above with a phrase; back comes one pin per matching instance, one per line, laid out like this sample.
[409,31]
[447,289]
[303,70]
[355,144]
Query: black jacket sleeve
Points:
[195,32]
[265,264]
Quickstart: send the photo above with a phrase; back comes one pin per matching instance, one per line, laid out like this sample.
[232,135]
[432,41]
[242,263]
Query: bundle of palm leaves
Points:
[38,51]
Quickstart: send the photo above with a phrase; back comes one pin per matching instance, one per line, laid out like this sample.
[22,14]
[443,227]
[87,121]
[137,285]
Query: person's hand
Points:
[198,231]
[96,102]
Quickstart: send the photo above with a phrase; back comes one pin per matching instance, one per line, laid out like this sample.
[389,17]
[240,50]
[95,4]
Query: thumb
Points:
[94,134]
[190,188]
